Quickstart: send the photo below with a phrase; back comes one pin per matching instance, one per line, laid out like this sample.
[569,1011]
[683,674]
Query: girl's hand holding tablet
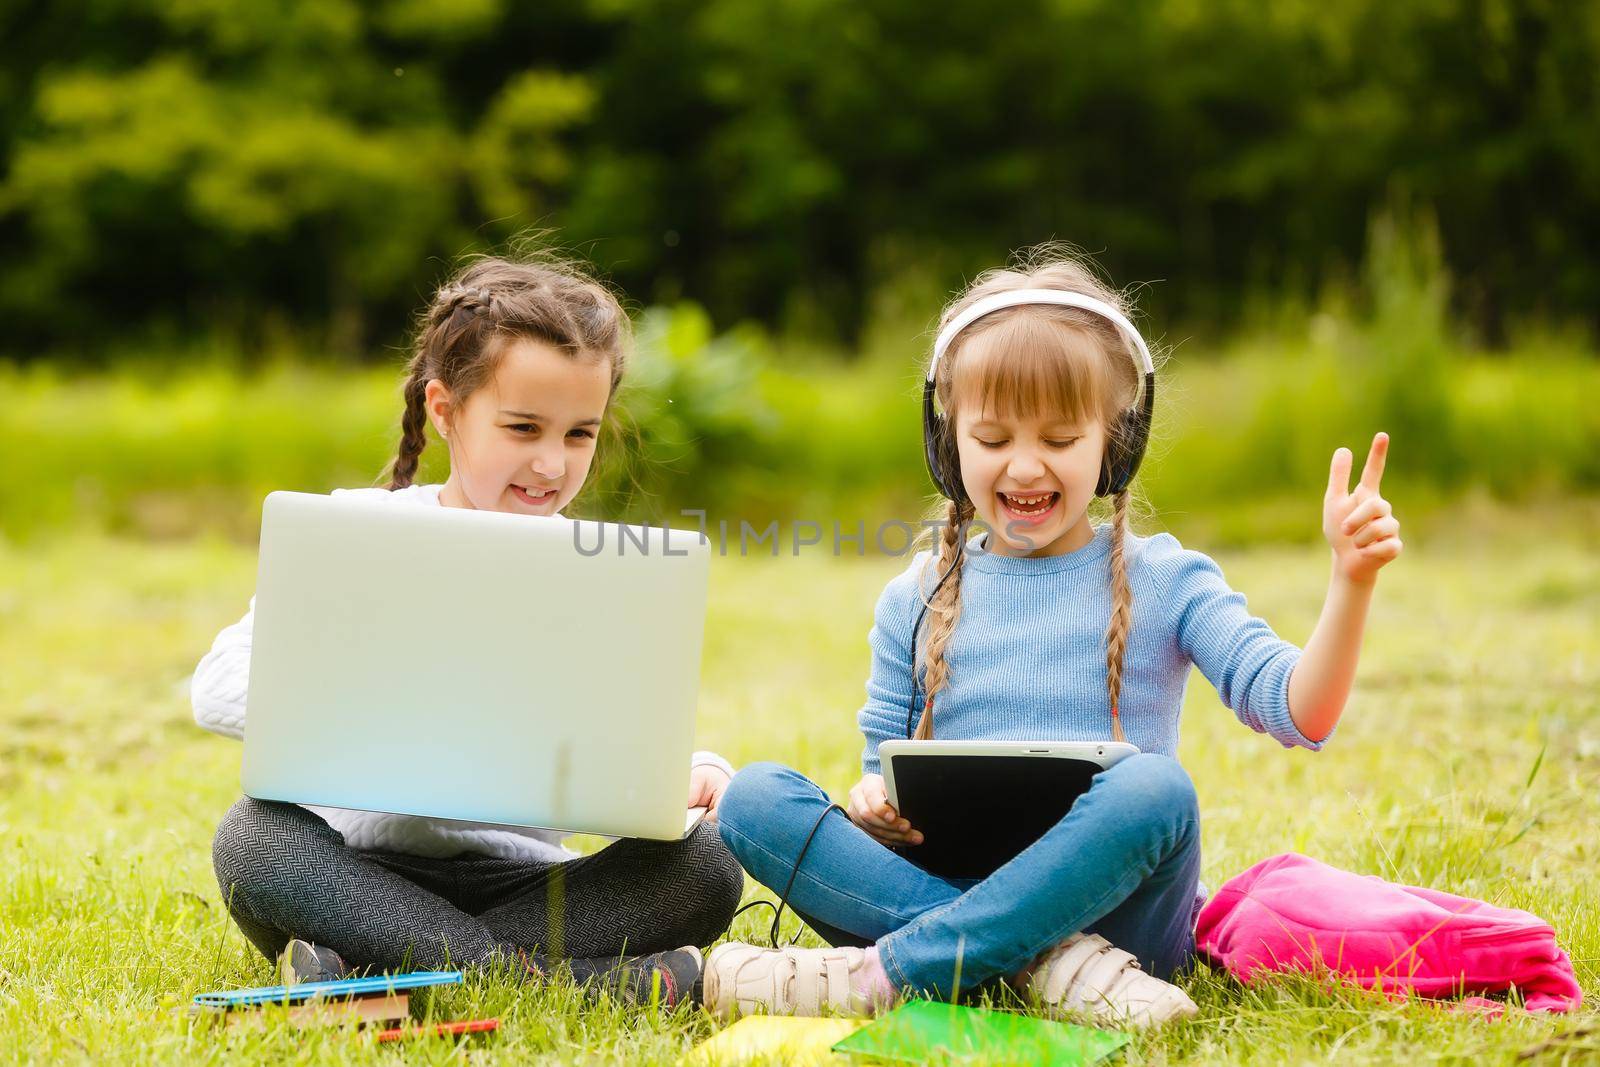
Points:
[869,809]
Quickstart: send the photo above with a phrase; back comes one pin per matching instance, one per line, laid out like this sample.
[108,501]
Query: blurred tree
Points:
[203,166]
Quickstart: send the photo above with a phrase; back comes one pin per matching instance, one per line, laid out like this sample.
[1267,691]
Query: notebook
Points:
[923,1030]
[773,1038]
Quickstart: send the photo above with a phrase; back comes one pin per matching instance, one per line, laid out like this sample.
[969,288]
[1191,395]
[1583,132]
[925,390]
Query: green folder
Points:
[924,1030]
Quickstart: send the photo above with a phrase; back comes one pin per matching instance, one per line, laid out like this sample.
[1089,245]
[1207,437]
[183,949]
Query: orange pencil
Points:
[466,1026]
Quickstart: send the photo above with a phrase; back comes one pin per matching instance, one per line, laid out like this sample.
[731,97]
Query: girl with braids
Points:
[1047,628]
[515,365]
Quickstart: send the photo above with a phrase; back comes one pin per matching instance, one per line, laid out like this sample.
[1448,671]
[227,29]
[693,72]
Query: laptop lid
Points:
[475,665]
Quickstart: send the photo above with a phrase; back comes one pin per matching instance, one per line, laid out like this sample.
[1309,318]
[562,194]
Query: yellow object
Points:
[776,1038]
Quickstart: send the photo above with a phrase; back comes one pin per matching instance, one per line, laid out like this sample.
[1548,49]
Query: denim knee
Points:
[751,793]
[1156,792]
[757,811]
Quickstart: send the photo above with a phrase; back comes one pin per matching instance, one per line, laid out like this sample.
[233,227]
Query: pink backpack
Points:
[1292,913]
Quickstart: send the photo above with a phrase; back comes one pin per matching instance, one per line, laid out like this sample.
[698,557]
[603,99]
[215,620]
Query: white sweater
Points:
[218,692]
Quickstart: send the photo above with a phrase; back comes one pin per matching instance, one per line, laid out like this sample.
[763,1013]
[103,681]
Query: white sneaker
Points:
[742,979]
[1088,977]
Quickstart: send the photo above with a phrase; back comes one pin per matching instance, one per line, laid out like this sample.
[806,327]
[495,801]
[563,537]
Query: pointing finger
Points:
[1339,473]
[1372,474]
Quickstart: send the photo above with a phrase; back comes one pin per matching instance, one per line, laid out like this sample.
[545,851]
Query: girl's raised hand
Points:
[1360,524]
[869,809]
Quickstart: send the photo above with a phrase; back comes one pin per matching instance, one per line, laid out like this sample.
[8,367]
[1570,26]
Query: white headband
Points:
[990,304]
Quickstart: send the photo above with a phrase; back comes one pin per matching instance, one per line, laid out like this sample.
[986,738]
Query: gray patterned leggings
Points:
[286,873]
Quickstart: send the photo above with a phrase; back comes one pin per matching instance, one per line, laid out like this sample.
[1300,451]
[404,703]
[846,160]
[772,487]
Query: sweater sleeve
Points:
[889,685]
[1239,653]
[707,758]
[222,679]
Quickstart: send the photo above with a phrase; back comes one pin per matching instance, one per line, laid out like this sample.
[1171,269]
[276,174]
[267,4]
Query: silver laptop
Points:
[475,665]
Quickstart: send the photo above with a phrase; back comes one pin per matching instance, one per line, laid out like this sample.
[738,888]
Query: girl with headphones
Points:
[1047,627]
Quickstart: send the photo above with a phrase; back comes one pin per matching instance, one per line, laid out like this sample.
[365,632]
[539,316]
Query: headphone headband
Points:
[1060,297]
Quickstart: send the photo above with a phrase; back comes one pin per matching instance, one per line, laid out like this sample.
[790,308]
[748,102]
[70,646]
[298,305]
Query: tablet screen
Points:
[976,812]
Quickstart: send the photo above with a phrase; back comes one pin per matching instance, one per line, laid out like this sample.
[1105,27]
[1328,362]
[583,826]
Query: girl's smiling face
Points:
[1030,477]
[524,441]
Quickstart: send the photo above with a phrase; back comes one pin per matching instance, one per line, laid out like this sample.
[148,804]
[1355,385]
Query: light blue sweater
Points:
[1027,659]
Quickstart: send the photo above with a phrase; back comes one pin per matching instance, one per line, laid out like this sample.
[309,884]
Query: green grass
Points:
[714,423]
[1482,654]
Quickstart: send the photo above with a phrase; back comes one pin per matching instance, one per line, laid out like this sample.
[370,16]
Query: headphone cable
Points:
[783,898]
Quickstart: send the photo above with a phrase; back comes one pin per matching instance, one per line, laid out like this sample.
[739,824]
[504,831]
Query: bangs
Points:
[1027,366]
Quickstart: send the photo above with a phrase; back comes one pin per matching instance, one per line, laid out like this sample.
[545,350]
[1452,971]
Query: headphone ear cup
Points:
[950,461]
[1124,450]
[939,449]
[944,459]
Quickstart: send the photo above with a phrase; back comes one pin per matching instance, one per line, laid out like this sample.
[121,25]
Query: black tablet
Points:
[979,803]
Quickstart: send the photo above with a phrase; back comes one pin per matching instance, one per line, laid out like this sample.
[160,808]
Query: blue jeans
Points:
[1123,863]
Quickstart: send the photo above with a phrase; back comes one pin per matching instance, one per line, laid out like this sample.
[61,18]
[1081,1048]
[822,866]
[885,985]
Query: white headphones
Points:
[999,301]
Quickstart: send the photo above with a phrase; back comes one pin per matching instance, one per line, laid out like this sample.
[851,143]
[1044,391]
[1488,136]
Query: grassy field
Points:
[168,451]
[1469,760]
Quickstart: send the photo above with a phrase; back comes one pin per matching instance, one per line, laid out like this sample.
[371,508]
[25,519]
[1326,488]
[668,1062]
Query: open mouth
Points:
[1028,507]
[533,497]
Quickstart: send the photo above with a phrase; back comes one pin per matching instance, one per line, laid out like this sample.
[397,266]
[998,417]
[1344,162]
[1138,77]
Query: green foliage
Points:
[155,452]
[691,414]
[515,151]
[746,429]
[202,167]
[1262,423]
[1406,346]
[730,424]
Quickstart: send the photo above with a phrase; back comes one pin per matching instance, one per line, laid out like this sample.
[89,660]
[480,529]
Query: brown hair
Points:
[462,334]
[1022,360]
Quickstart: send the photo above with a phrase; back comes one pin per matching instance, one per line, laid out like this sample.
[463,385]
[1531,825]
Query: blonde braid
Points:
[1121,612]
[946,609]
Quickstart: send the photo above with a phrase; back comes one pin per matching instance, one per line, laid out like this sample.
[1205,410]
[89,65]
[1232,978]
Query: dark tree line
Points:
[183,167]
